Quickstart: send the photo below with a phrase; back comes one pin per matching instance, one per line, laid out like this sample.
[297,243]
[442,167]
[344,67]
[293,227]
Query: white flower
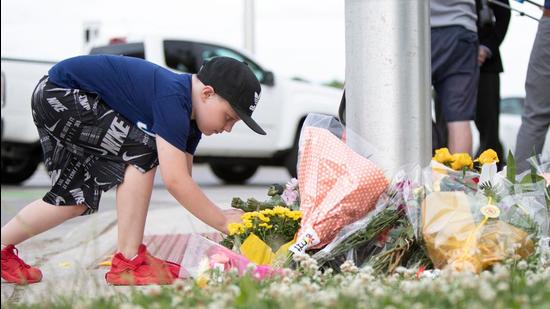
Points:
[130,306]
[349,267]
[153,290]
[292,184]
[176,300]
[522,265]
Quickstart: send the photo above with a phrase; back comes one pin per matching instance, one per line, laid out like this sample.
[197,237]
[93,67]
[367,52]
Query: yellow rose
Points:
[487,157]
[461,161]
[443,156]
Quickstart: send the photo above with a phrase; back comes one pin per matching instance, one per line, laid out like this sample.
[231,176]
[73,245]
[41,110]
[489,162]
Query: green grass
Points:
[513,285]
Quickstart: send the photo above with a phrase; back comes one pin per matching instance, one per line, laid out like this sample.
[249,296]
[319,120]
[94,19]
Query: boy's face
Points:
[214,114]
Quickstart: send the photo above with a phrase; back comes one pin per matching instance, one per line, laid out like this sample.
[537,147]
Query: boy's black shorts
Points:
[86,144]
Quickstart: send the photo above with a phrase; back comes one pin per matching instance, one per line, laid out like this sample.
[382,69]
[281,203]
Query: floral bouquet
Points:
[359,240]
[470,218]
[203,256]
[264,236]
[337,187]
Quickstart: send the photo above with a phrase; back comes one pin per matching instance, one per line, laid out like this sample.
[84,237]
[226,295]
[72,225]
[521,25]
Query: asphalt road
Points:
[16,197]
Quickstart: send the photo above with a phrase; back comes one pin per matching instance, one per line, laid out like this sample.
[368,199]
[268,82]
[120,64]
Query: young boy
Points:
[107,121]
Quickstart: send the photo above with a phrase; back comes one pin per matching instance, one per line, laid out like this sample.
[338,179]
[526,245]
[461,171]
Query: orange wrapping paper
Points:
[337,185]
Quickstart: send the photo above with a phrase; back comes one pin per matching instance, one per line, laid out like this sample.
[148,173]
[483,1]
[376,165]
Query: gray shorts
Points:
[455,71]
[86,144]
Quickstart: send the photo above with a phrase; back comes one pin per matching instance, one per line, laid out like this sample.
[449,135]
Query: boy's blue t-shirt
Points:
[155,99]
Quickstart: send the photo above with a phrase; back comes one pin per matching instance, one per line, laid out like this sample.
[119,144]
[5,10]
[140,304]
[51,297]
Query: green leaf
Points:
[531,178]
[511,168]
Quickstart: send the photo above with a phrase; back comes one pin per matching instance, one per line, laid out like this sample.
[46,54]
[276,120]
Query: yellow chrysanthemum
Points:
[263,217]
[487,157]
[443,156]
[234,228]
[461,160]
[265,225]
[281,211]
[268,212]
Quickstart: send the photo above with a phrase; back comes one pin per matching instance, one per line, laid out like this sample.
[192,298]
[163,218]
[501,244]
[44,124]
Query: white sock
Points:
[135,256]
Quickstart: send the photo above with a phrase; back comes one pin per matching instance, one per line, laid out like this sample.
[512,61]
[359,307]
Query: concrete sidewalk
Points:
[69,263]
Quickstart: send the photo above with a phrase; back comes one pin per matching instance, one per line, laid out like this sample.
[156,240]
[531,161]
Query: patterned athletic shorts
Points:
[86,144]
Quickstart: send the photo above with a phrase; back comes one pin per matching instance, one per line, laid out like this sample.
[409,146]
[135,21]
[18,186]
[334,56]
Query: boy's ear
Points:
[207,91]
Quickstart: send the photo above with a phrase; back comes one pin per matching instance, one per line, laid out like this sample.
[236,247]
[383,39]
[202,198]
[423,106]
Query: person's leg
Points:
[132,202]
[35,218]
[536,114]
[460,136]
[487,114]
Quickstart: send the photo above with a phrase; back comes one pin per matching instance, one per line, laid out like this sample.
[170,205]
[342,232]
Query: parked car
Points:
[232,157]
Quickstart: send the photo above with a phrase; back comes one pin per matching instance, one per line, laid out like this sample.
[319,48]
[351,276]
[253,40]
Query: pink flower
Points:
[292,184]
[289,196]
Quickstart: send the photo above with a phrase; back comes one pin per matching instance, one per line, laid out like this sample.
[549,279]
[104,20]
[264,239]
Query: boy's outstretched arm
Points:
[175,174]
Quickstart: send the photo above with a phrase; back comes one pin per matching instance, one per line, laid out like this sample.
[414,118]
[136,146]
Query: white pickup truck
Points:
[233,157]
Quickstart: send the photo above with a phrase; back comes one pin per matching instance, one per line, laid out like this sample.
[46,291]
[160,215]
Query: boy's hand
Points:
[231,216]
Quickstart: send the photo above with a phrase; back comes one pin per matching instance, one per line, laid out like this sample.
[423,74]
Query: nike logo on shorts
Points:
[127,157]
[52,128]
[100,183]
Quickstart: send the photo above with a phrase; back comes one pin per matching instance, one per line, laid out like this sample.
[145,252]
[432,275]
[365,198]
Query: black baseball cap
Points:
[234,81]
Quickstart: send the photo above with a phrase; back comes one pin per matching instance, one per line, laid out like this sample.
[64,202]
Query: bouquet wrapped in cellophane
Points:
[337,187]
[202,257]
[268,228]
[368,236]
[470,219]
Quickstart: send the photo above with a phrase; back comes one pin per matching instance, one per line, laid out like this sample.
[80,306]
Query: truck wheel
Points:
[233,173]
[291,161]
[15,171]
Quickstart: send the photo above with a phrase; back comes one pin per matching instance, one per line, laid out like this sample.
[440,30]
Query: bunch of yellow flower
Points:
[461,161]
[274,226]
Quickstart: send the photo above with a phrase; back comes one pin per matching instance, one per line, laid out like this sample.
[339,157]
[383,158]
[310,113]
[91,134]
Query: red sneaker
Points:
[144,269]
[14,270]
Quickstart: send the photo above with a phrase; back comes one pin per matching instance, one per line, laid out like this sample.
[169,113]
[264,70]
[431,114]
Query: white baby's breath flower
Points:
[503,286]
[348,267]
[522,265]
[486,292]
[176,301]
[179,284]
[130,306]
[401,270]
[153,290]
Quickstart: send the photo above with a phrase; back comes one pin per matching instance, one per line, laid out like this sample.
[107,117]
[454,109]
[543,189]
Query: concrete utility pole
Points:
[388,78]
[249,26]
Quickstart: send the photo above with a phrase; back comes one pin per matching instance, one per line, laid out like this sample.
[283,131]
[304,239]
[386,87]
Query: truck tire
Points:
[233,173]
[15,171]
[291,160]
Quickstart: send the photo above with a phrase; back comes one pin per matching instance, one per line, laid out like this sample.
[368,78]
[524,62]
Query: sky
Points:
[292,38]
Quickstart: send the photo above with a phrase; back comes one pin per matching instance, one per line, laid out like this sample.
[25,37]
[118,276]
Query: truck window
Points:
[210,51]
[179,56]
[136,50]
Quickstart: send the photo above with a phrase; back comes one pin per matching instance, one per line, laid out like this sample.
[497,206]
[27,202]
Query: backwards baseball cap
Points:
[234,81]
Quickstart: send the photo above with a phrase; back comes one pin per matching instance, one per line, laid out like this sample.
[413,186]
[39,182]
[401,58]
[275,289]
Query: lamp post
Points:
[388,78]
